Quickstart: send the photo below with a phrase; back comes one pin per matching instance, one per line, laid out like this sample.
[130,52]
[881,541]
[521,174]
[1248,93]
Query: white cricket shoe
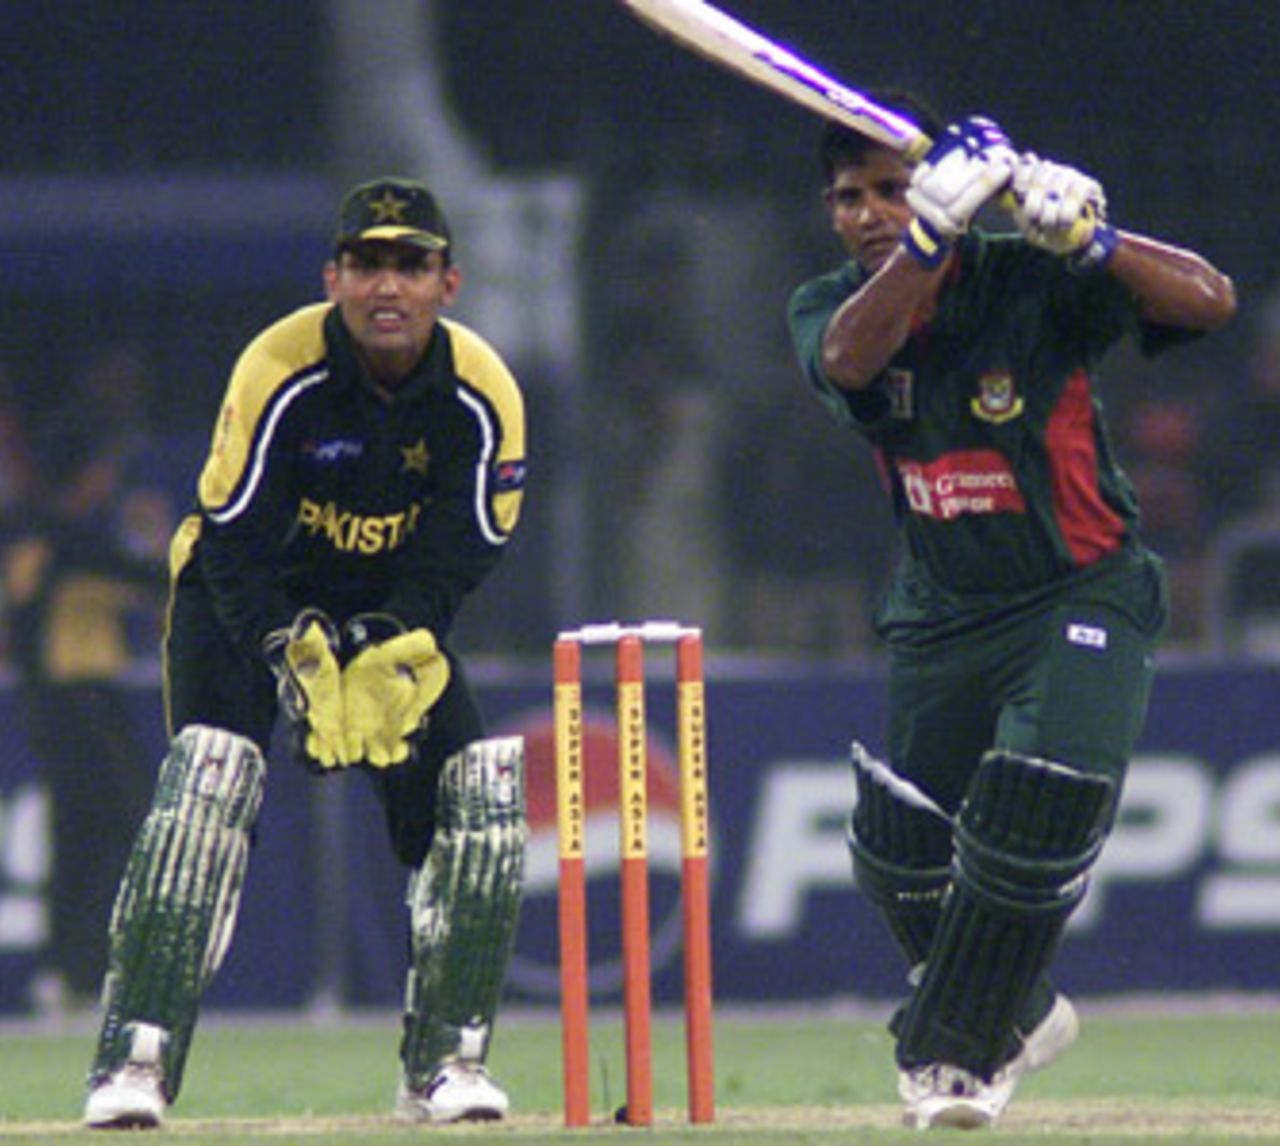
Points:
[457,1092]
[941,1095]
[133,1098]
[1051,1037]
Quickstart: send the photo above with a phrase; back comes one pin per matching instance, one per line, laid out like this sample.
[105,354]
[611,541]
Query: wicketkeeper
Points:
[1023,620]
[365,475]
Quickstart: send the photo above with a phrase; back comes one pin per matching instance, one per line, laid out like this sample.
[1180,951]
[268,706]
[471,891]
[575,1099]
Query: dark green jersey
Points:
[987,423]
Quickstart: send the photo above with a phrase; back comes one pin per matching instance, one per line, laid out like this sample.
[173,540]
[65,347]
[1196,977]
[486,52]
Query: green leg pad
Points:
[901,850]
[909,899]
[1026,836]
[176,907]
[464,904]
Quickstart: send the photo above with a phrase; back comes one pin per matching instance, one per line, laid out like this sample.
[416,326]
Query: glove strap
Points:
[366,629]
[1097,252]
[925,244]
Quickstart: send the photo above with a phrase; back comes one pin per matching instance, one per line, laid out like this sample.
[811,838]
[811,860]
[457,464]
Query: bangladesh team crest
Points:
[997,401]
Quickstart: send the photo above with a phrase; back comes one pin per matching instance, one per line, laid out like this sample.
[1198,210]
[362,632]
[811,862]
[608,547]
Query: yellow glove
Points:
[310,681]
[388,689]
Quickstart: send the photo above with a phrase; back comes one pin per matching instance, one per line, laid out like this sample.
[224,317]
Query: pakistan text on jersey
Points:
[356,533]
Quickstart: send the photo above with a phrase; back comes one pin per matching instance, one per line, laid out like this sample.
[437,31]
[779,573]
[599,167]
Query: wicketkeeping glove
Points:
[303,658]
[970,163]
[1064,211]
[389,687]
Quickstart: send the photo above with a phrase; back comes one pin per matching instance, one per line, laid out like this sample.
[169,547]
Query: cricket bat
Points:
[723,40]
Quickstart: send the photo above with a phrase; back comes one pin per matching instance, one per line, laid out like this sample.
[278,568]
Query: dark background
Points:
[223,118]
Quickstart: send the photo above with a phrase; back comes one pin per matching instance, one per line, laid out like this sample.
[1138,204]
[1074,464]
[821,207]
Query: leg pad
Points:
[176,908]
[464,904]
[901,849]
[1026,836]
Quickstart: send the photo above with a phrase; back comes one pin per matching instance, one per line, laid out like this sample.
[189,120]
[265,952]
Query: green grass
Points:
[1203,1078]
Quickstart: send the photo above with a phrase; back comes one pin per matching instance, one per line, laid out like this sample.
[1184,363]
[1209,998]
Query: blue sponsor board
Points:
[1186,896]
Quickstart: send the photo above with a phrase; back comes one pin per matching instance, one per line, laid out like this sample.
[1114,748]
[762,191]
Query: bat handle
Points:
[917,149]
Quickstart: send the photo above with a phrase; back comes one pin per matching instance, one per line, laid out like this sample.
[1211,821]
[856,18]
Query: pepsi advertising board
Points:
[1186,896]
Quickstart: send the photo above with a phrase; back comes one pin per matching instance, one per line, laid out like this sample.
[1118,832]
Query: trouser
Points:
[1019,728]
[1066,680]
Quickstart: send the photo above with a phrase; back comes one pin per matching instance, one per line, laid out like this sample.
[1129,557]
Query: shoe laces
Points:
[953,1081]
[456,1072]
[141,1076]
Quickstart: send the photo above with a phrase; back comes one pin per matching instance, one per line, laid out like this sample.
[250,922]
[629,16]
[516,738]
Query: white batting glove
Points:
[972,162]
[1062,210]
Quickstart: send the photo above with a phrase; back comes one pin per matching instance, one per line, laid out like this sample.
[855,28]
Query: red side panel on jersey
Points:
[1089,526]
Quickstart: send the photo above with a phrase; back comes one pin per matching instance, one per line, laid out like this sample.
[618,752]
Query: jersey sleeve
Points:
[808,314]
[243,490]
[1101,311]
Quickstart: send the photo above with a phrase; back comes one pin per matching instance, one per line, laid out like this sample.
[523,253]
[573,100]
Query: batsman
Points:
[365,475]
[1024,615]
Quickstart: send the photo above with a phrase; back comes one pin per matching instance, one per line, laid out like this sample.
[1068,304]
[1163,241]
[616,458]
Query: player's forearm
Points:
[1175,287]
[245,596]
[873,324]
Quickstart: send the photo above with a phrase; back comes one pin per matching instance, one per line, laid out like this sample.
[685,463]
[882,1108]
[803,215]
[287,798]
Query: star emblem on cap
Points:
[388,208]
[414,458]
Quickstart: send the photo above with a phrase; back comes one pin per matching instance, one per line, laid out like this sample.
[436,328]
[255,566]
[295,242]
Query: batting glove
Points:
[303,658]
[389,687]
[1064,211]
[970,163]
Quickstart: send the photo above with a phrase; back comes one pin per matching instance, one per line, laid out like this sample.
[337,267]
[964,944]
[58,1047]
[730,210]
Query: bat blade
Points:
[723,40]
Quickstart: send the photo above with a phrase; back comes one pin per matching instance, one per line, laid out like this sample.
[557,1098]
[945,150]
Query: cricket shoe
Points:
[1048,1040]
[938,1094]
[457,1092]
[943,1095]
[132,1097]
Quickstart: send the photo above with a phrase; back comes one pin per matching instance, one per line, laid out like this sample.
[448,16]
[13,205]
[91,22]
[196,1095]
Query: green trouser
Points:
[1065,677]
[1062,677]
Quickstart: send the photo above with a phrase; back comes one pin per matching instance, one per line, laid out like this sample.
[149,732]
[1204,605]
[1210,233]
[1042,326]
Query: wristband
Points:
[1097,252]
[924,244]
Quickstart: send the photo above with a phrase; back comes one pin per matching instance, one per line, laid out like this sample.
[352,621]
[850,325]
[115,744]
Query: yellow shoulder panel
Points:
[480,367]
[182,543]
[280,353]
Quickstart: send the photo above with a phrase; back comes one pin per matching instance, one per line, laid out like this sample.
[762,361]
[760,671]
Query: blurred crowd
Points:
[743,504]
[722,491]
[704,484]
[90,491]
[710,487]
[684,473]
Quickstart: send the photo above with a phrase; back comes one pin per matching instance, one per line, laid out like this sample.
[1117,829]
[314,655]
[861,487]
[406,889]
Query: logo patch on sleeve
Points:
[508,476]
[1090,636]
[900,386]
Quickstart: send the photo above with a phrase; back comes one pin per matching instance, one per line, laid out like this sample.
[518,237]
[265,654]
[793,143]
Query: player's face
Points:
[390,295]
[868,205]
